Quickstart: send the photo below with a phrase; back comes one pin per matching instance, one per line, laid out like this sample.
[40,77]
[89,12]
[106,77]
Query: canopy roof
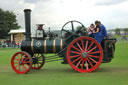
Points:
[17,31]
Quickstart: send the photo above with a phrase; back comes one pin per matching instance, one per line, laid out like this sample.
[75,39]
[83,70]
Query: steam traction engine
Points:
[75,47]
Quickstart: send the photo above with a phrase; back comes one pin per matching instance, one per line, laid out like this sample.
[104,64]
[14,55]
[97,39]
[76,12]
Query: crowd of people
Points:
[9,44]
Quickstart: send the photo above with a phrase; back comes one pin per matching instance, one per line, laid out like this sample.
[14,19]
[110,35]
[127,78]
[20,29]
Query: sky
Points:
[55,13]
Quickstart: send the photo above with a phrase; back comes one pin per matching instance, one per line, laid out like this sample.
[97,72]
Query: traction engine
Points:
[74,47]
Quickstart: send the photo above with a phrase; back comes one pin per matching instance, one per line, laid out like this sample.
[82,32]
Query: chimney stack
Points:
[27,13]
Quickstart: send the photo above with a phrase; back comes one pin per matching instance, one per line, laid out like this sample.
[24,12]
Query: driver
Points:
[100,33]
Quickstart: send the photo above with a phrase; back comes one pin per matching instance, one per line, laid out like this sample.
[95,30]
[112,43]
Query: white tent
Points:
[12,32]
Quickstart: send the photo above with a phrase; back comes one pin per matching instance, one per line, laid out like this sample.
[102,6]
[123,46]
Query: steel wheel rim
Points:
[21,62]
[40,62]
[83,57]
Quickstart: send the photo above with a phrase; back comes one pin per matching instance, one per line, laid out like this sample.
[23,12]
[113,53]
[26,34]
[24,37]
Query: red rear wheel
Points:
[38,61]
[84,54]
[21,62]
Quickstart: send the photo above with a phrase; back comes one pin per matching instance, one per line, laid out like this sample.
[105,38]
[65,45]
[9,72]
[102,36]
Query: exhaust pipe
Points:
[27,13]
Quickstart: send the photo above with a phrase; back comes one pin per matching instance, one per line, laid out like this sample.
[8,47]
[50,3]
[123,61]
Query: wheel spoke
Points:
[72,26]
[86,65]
[16,63]
[19,67]
[76,48]
[21,55]
[76,60]
[82,43]
[27,62]
[22,58]
[78,63]
[94,52]
[27,65]
[93,56]
[86,45]
[90,46]
[75,52]
[90,62]
[18,58]
[92,49]
[79,46]
[24,67]
[74,56]
[82,64]
[26,59]
[93,60]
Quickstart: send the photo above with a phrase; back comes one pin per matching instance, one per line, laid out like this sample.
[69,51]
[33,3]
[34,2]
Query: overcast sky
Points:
[54,13]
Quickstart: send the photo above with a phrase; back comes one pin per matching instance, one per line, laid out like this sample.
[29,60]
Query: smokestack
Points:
[27,13]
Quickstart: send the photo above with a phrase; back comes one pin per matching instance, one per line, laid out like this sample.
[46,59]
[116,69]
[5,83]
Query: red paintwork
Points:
[25,66]
[84,64]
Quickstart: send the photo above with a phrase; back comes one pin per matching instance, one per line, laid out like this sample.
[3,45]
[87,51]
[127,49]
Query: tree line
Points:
[118,31]
[7,22]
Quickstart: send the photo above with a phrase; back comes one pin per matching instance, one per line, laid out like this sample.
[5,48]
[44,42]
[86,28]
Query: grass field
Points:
[55,73]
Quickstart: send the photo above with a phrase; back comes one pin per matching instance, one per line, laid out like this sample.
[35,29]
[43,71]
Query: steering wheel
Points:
[73,30]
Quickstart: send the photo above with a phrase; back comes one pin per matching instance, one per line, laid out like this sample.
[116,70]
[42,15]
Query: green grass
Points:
[55,73]
[118,36]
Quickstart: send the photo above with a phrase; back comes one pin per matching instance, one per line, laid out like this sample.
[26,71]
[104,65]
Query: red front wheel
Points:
[84,54]
[21,62]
